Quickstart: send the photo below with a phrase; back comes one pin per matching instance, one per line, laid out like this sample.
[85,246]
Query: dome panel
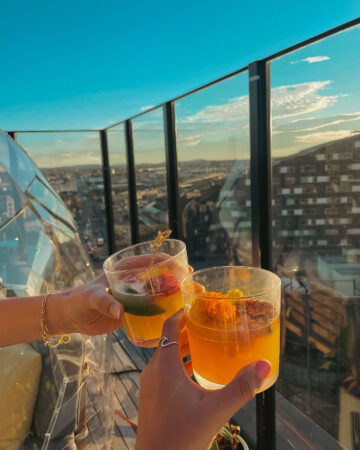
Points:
[12,199]
[16,162]
[40,193]
[52,220]
[24,247]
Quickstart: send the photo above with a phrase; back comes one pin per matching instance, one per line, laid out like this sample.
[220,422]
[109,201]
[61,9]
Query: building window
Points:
[322,179]
[344,221]
[355,210]
[335,156]
[322,242]
[289,180]
[284,169]
[331,211]
[344,178]
[298,191]
[307,179]
[321,200]
[331,232]
[308,190]
[353,231]
[309,212]
[320,157]
[298,212]
[283,233]
[355,188]
[307,169]
[320,221]
[355,166]
[343,200]
[285,191]
[290,201]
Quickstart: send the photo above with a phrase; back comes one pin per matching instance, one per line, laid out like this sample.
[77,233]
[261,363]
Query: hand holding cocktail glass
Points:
[146,280]
[232,320]
[232,313]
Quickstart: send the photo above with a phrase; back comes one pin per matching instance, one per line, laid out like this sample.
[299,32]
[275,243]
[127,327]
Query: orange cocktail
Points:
[232,318]
[148,286]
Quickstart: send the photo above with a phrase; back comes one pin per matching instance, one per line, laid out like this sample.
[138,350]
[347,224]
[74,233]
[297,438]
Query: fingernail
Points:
[115,311]
[262,368]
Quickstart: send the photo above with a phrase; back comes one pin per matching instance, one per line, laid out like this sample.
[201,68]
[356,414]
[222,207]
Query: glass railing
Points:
[313,139]
[315,97]
[150,170]
[214,173]
[119,185]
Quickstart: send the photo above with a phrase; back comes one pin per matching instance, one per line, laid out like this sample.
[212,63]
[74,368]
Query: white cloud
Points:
[315,59]
[312,59]
[298,99]
[324,136]
[287,101]
[144,108]
[316,123]
[191,141]
[235,109]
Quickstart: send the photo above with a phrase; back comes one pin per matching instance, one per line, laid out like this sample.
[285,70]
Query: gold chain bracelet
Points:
[49,339]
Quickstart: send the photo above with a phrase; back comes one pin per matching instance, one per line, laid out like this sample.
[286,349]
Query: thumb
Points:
[108,306]
[243,387]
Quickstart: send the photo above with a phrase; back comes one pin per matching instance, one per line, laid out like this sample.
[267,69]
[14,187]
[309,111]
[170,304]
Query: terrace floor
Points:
[128,362]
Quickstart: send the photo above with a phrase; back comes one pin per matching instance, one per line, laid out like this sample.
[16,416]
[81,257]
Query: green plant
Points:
[227,438]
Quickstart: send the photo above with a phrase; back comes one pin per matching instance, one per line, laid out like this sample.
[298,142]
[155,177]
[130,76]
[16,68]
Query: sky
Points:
[87,64]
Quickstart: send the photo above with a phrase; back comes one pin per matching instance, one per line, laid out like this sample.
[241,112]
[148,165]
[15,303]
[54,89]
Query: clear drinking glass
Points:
[149,294]
[233,319]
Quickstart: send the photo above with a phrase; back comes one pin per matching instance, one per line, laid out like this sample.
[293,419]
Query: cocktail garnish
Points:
[162,235]
[214,308]
[165,284]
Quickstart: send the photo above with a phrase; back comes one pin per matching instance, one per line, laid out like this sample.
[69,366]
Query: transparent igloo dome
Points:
[60,391]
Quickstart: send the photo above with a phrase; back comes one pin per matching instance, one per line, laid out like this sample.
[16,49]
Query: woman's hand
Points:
[176,413]
[88,309]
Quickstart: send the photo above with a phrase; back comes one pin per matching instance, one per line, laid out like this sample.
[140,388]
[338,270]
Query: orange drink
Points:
[148,286]
[233,319]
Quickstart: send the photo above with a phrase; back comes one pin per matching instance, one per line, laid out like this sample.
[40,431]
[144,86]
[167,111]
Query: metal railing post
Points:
[110,230]
[172,170]
[133,210]
[261,220]
[12,134]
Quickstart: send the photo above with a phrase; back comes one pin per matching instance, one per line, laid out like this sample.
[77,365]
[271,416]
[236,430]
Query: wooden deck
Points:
[128,362]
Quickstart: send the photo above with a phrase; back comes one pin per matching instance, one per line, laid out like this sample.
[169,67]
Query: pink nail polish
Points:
[262,368]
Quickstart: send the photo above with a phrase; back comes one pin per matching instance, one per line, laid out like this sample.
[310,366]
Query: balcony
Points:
[205,165]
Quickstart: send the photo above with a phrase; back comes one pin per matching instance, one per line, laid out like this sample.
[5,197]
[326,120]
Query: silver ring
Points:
[164,343]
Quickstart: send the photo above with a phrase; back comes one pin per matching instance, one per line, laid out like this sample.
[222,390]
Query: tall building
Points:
[317,200]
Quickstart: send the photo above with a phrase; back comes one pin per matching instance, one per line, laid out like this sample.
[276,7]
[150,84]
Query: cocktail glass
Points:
[232,319]
[149,292]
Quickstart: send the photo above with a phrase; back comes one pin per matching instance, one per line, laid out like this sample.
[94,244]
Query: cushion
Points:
[20,368]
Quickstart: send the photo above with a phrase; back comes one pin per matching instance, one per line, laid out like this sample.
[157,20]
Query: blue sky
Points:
[87,63]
